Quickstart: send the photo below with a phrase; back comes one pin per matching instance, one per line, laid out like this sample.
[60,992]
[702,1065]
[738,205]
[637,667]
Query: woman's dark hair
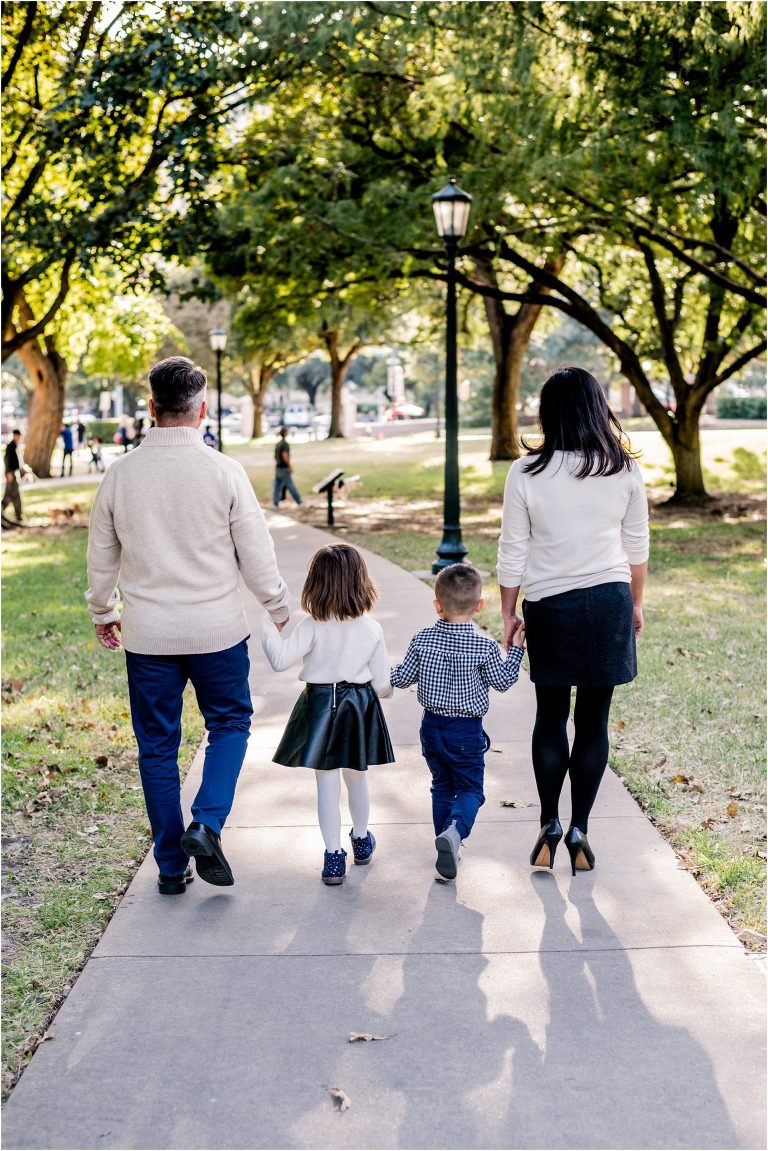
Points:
[574,417]
[338,585]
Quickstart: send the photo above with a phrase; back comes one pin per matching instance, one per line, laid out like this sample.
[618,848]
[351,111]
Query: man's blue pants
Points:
[156,685]
[454,747]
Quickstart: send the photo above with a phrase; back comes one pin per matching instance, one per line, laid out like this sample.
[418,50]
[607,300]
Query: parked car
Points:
[297,416]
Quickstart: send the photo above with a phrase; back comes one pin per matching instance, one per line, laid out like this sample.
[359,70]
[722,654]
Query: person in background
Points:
[14,469]
[96,462]
[283,472]
[574,536]
[68,440]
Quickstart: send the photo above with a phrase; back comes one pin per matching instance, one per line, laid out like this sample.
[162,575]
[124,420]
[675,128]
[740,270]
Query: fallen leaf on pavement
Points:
[707,823]
[733,810]
[513,803]
[340,1098]
[48,1035]
[678,779]
[364,1037]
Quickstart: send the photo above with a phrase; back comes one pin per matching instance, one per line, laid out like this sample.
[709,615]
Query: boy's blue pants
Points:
[454,747]
[156,685]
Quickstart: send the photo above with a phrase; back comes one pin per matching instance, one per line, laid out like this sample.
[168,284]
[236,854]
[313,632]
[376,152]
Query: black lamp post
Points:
[451,207]
[218,338]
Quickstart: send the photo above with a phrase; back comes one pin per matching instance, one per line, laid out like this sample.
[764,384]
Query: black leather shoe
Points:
[205,845]
[582,855]
[543,854]
[174,884]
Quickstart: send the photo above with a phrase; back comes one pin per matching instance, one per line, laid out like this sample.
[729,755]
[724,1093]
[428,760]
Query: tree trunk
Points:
[510,336]
[339,367]
[685,446]
[45,403]
[259,376]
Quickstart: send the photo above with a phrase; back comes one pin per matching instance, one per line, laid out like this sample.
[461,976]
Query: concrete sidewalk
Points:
[526,1009]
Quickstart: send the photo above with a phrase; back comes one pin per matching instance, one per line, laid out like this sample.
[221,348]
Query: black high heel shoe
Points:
[543,854]
[582,856]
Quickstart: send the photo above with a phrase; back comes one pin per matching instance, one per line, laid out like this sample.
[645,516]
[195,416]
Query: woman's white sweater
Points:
[559,533]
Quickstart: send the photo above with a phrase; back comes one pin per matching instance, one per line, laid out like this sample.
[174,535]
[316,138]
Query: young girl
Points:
[337,726]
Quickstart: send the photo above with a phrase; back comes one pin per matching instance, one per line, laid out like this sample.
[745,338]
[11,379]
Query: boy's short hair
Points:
[459,588]
[177,386]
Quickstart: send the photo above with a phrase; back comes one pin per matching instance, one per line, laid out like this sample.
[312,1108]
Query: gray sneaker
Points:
[448,844]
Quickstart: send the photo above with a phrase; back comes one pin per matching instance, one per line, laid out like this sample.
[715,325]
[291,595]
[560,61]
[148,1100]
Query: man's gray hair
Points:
[178,386]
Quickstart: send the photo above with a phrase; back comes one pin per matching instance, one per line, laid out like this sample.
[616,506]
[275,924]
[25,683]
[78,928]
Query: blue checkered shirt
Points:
[454,666]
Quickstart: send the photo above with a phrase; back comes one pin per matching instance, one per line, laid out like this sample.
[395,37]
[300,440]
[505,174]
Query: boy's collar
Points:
[455,623]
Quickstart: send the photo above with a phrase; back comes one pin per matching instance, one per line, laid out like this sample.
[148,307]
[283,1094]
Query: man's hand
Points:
[108,635]
[639,622]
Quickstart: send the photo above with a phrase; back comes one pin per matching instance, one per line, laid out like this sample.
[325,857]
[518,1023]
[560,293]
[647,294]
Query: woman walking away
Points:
[574,536]
[337,726]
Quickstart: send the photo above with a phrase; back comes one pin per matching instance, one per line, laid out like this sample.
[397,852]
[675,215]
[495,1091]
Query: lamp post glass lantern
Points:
[451,207]
[218,338]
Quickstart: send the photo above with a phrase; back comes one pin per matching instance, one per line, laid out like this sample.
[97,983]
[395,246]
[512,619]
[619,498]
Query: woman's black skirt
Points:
[585,637]
[336,725]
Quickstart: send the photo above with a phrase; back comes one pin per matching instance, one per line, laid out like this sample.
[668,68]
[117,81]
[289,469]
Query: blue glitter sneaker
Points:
[363,848]
[334,867]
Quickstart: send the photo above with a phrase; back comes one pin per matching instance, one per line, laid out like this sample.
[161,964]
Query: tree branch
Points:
[741,362]
[30,333]
[30,11]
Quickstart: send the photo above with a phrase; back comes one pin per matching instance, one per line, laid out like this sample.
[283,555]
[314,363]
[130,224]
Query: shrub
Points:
[741,407]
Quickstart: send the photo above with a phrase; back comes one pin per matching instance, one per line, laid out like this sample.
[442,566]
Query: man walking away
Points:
[178,525]
[14,469]
[283,471]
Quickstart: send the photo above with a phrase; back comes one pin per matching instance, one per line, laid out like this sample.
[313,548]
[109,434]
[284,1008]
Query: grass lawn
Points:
[687,736]
[74,825]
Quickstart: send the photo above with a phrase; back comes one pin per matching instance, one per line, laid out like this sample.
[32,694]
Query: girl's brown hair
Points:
[338,585]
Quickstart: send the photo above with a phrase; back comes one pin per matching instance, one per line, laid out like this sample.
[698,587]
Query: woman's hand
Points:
[637,612]
[511,624]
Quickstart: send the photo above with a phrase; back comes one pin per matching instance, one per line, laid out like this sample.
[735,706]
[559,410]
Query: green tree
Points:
[111,119]
[651,179]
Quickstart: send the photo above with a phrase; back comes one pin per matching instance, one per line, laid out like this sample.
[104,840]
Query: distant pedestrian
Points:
[283,472]
[68,440]
[178,527]
[138,430]
[454,666]
[81,437]
[337,726]
[96,462]
[14,469]
[574,536]
[210,438]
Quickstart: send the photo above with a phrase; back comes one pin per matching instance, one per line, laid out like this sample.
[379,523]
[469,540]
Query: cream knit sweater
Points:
[178,524]
[559,533]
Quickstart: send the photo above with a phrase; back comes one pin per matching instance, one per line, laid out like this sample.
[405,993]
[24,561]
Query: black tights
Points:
[588,757]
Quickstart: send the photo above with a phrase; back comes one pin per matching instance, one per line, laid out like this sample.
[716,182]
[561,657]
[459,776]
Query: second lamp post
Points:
[451,207]
[218,338]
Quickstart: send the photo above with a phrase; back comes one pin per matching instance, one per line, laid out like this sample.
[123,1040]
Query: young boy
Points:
[454,666]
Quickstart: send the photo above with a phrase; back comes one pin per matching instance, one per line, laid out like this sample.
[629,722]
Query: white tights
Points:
[329,804]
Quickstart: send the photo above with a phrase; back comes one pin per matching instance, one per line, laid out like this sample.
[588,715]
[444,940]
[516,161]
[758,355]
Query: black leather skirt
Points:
[336,725]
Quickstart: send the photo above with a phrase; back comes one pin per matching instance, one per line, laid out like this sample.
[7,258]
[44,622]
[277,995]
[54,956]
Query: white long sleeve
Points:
[331,651]
[559,533]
